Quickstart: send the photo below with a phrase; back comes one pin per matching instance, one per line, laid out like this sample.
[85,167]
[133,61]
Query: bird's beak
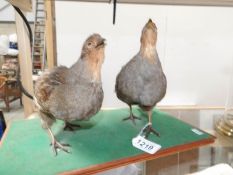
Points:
[151,24]
[101,43]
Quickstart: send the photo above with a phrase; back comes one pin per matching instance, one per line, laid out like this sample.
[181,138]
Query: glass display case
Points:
[196,159]
[225,124]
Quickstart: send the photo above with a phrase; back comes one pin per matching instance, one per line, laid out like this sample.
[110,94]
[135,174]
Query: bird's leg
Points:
[71,126]
[131,116]
[149,129]
[55,144]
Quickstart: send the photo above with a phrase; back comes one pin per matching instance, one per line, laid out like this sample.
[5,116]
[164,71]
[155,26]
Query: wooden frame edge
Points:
[145,157]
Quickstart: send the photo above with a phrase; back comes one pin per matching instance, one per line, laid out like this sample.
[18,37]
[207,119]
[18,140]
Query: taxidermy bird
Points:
[142,81]
[74,93]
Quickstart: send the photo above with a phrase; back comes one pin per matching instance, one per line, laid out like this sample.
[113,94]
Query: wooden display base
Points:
[103,143]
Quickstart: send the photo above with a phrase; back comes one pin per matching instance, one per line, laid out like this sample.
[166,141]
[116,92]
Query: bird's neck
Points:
[148,51]
[86,70]
[95,70]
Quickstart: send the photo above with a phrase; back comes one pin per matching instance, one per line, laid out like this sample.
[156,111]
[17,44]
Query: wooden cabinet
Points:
[9,88]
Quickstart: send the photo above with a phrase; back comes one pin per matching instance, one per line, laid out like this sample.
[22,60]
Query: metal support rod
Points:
[114,10]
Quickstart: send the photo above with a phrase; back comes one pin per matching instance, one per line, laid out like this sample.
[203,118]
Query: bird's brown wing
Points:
[46,84]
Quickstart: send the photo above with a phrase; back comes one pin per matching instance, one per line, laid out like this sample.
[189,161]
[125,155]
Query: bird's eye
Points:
[89,44]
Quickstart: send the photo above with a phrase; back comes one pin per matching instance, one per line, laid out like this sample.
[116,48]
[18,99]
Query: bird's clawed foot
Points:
[132,118]
[149,130]
[71,127]
[56,145]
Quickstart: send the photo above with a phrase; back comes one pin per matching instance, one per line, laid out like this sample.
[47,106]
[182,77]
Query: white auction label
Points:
[145,145]
[198,132]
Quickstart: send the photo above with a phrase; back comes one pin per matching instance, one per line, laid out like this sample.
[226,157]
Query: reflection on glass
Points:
[225,124]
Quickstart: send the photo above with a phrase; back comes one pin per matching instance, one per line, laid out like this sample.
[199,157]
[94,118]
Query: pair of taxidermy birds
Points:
[76,93]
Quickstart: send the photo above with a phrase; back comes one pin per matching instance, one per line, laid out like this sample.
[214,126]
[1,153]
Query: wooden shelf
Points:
[170,2]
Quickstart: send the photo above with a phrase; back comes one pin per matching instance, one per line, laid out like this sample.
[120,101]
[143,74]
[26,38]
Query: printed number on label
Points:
[145,145]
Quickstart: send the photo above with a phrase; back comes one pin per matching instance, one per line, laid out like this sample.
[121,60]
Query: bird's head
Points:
[149,34]
[93,55]
[93,48]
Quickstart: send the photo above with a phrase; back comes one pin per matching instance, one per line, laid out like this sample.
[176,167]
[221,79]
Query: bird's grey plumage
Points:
[73,93]
[142,81]
[73,98]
